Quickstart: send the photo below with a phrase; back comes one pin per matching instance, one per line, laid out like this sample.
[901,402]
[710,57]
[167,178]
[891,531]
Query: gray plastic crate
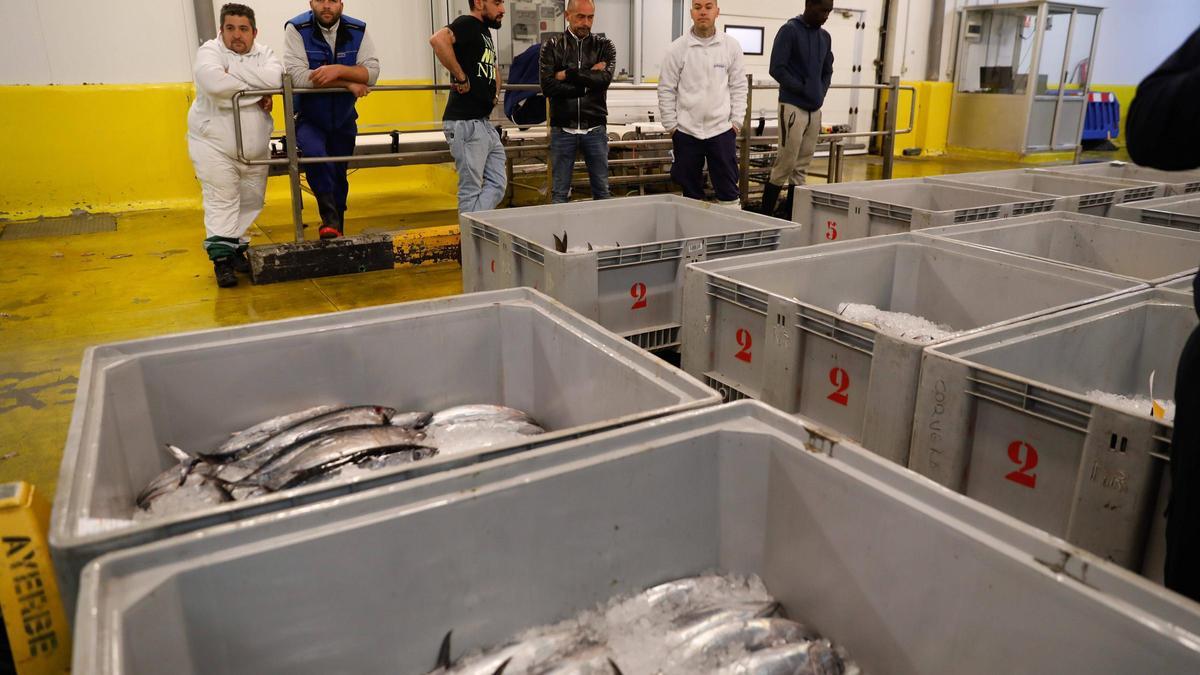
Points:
[767,326]
[1184,284]
[515,347]
[1182,212]
[1005,417]
[1092,195]
[855,210]
[631,282]
[1175,182]
[1144,253]
[741,489]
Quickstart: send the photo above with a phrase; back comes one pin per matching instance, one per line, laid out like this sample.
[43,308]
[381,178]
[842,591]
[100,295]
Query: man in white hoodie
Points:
[233,192]
[702,100]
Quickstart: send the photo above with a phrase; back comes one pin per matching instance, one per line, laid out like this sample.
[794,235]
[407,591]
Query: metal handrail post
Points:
[889,140]
[744,177]
[550,158]
[293,156]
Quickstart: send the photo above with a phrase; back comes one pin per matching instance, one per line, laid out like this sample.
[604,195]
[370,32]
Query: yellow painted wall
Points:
[113,148]
[932,123]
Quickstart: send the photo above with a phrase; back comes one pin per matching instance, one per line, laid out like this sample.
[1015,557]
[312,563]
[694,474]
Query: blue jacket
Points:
[802,64]
[524,70]
[333,110]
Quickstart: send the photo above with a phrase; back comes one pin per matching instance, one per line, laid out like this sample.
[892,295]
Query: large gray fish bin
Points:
[1144,253]
[1174,182]
[855,210]
[631,279]
[517,348]
[768,326]
[1007,417]
[1182,211]
[910,578]
[1092,195]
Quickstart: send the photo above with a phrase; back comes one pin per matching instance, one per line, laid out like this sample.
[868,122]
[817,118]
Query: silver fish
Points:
[171,479]
[751,634]
[412,420]
[803,658]
[519,657]
[245,440]
[479,412]
[689,625]
[335,449]
[345,418]
[196,479]
[465,436]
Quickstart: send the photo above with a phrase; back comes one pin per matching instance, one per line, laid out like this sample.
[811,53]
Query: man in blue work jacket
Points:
[324,49]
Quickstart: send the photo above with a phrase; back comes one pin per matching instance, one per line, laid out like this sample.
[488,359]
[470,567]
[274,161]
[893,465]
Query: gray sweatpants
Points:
[798,130]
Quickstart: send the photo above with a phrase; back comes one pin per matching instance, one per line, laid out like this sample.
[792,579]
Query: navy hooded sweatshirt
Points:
[802,64]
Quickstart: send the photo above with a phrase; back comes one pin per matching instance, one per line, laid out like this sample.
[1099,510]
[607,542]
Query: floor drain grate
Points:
[60,227]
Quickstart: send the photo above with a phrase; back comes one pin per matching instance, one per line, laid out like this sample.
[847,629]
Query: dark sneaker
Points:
[329,232]
[241,263]
[223,269]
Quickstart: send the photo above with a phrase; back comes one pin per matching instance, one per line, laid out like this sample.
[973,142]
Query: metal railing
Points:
[293,161]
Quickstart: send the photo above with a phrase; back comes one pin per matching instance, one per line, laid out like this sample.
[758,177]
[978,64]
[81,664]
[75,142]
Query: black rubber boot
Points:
[241,263]
[223,270]
[331,217]
[787,206]
[770,198]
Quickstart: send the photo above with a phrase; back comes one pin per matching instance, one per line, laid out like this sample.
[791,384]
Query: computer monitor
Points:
[996,78]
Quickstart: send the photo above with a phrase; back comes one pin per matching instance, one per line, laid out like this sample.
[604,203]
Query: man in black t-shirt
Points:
[467,49]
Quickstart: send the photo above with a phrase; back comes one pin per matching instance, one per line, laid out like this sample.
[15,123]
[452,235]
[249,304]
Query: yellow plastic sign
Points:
[33,614]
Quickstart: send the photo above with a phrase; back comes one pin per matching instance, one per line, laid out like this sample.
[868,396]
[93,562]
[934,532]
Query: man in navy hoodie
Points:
[802,64]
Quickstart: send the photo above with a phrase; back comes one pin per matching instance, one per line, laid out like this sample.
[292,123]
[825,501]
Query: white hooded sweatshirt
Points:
[220,73]
[702,85]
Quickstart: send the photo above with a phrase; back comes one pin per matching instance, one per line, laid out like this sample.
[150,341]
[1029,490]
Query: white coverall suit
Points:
[233,192]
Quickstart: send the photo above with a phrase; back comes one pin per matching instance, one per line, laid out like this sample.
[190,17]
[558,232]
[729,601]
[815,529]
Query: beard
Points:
[337,16]
[492,22]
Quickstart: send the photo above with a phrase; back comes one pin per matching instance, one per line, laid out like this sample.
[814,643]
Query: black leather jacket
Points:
[579,101]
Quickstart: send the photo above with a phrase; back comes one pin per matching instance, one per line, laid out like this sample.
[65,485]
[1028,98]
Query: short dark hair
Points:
[234,9]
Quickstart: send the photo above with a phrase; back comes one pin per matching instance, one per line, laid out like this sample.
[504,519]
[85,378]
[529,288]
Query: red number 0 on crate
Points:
[839,378]
[831,230]
[638,293]
[744,341]
[1030,460]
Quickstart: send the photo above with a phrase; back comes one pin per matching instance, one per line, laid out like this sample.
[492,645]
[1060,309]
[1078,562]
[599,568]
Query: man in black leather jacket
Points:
[576,69]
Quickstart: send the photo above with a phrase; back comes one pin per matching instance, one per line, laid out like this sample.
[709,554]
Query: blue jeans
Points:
[564,146]
[480,162]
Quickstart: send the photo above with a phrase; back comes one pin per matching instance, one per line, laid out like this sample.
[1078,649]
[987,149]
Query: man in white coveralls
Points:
[233,192]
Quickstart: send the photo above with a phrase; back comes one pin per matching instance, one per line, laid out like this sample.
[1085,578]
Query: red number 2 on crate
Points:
[638,293]
[1022,476]
[831,230]
[744,341]
[840,379]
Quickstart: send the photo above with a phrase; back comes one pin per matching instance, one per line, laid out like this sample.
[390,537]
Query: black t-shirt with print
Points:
[476,53]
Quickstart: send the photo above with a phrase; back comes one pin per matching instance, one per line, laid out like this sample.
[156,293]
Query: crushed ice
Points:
[897,324]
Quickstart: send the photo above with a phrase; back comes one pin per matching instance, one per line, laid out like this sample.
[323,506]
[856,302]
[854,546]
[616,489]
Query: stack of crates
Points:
[643,478]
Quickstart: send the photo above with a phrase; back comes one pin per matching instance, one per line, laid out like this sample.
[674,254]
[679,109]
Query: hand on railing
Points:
[359,90]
